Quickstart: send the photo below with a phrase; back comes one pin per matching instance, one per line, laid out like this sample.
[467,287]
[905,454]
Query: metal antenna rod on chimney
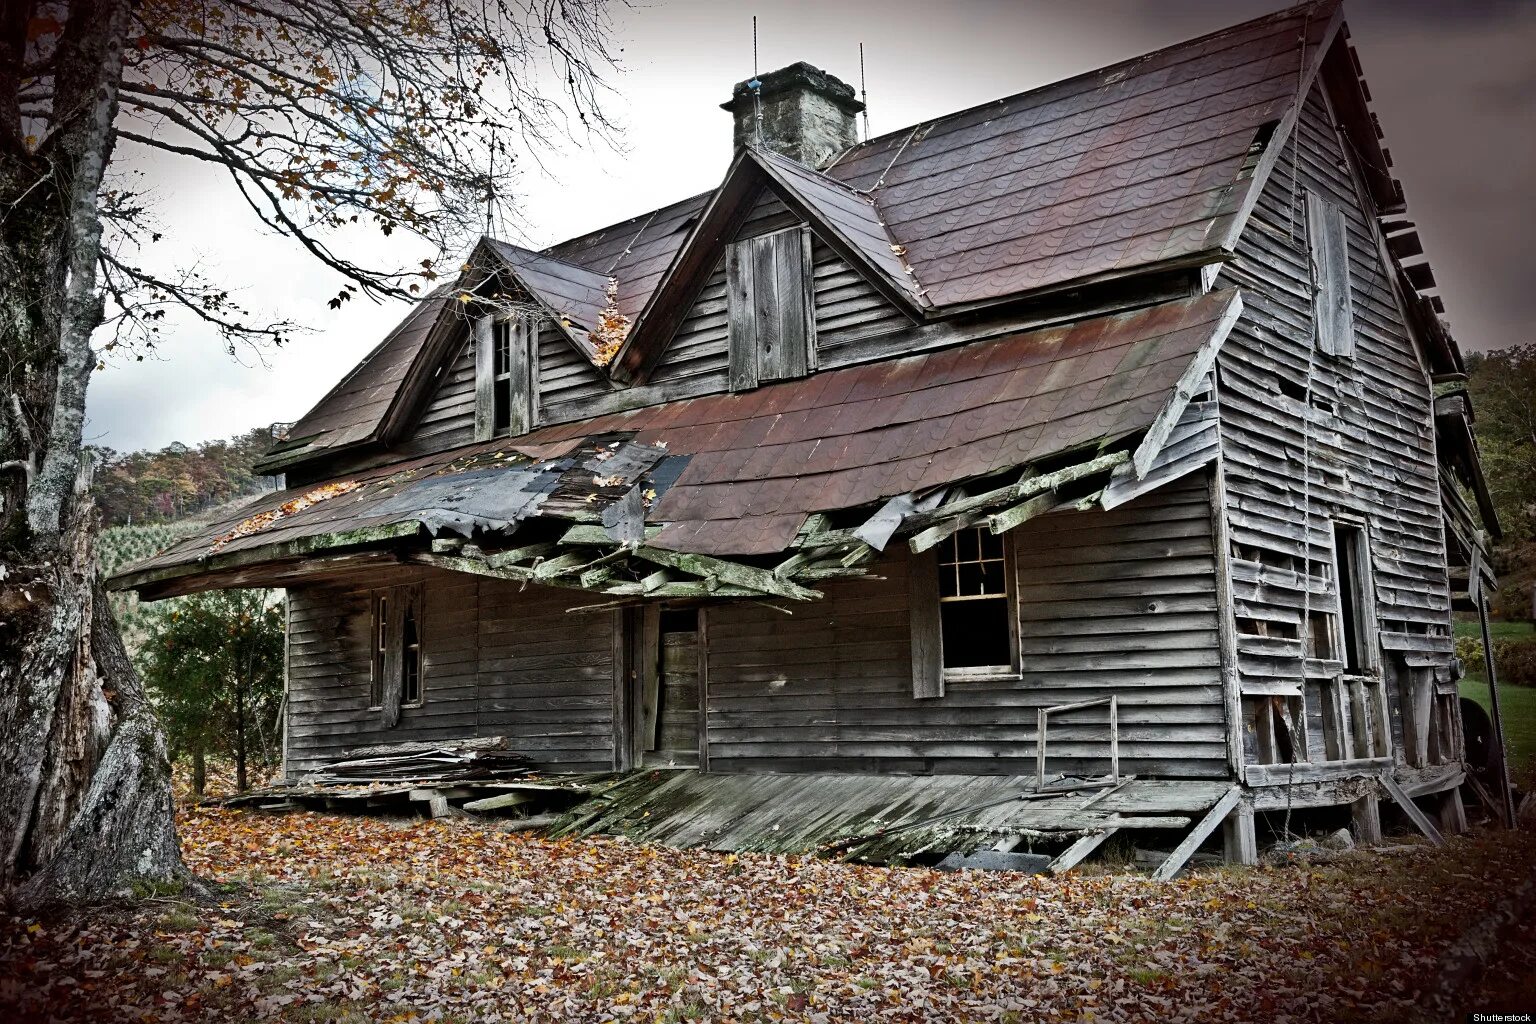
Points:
[863,92]
[754,46]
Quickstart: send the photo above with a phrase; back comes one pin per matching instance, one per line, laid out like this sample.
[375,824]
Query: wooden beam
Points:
[1018,515]
[1185,850]
[1366,815]
[1028,487]
[745,576]
[1079,851]
[1418,817]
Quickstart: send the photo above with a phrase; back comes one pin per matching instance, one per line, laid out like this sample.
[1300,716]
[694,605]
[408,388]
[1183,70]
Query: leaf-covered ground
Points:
[325,918]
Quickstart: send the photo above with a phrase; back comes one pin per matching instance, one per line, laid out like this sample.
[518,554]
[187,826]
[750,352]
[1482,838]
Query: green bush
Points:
[1516,659]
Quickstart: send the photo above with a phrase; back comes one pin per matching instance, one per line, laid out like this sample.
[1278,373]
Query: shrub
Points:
[1516,659]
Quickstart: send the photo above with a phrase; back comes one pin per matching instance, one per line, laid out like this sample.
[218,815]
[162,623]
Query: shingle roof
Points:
[1134,166]
[738,474]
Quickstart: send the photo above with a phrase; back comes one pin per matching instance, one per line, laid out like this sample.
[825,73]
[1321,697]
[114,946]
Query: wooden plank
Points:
[522,390]
[927,644]
[743,345]
[1197,835]
[649,670]
[1411,809]
[1075,854]
[1333,305]
[1240,840]
[485,362]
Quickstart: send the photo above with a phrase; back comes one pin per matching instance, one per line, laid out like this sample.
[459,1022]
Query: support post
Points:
[1367,819]
[1453,814]
[1507,794]
[1239,837]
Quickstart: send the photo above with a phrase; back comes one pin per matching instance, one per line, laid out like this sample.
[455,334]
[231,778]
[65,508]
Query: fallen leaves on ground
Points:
[325,918]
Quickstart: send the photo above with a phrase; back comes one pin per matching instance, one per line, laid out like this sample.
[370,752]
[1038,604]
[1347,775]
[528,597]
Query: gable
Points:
[846,305]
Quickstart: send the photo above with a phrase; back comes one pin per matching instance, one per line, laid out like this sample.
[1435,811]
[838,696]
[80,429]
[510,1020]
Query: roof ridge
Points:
[1314,6]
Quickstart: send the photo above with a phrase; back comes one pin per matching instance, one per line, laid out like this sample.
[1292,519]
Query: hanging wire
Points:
[880,181]
[756,85]
[863,92]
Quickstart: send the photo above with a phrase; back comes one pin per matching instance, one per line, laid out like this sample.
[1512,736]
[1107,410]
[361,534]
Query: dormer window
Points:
[771,306]
[506,397]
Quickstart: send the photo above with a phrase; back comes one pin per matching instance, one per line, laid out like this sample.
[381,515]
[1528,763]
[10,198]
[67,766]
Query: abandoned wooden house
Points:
[1105,431]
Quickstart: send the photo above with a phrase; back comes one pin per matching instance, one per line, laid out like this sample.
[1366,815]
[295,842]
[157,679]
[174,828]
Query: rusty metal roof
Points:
[1142,164]
[739,474]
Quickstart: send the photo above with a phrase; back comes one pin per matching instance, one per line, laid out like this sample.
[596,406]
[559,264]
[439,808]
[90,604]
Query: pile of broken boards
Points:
[951,821]
[476,776]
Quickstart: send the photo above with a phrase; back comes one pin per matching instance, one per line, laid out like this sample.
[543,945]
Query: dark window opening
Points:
[380,647]
[975,601]
[1353,556]
[679,620]
[1293,390]
[501,388]
[410,656]
[396,646]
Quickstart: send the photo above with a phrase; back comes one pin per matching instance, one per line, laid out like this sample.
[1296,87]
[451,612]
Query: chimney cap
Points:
[797,75]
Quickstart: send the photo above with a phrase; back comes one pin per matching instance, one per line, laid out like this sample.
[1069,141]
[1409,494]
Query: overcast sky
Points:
[1453,82]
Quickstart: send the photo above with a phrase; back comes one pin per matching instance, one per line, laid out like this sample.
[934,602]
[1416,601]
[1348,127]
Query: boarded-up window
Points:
[772,326]
[397,650]
[506,400]
[1332,312]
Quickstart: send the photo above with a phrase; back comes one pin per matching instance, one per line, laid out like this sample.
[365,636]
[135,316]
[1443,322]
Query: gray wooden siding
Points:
[1119,602]
[1372,447]
[498,662]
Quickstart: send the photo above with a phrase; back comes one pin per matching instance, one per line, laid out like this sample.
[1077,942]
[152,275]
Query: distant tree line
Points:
[1502,384]
[179,480]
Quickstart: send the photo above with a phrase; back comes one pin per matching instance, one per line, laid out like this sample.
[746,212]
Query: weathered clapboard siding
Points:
[698,352]
[1371,438]
[448,419]
[848,309]
[1120,602]
[497,662]
[565,375]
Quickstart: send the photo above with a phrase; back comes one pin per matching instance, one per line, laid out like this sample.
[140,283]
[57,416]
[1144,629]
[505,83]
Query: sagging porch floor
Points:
[877,818]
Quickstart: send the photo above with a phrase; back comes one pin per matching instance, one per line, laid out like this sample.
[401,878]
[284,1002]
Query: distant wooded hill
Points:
[177,481]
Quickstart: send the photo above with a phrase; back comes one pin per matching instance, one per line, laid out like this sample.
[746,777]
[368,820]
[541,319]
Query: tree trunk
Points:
[85,786]
[85,795]
[199,771]
[240,773]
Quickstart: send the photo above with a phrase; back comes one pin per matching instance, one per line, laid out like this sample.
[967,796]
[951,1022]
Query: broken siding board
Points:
[833,686]
[1372,448]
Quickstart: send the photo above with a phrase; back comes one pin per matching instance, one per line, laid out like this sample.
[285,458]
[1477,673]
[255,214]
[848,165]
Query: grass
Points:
[1518,704]
[1497,630]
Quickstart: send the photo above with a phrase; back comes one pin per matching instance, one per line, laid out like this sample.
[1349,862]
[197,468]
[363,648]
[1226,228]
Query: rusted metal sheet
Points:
[1134,165]
[739,474]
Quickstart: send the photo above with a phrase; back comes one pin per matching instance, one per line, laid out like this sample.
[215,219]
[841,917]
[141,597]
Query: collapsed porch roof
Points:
[742,475]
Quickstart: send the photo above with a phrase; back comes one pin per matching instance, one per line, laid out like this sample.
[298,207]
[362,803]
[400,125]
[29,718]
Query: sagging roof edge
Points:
[1454,408]
[211,564]
[1107,453]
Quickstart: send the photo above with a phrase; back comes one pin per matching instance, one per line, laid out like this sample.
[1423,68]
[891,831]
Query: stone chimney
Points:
[807,115]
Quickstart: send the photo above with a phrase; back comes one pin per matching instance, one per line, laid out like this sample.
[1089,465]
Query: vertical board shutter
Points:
[485,384]
[743,325]
[1332,311]
[394,631]
[927,633]
[520,361]
[772,327]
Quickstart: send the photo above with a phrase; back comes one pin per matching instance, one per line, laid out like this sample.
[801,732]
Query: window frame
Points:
[412,596]
[1010,597]
[1362,583]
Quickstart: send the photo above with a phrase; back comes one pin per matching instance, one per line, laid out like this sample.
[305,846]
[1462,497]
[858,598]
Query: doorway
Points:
[665,687]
